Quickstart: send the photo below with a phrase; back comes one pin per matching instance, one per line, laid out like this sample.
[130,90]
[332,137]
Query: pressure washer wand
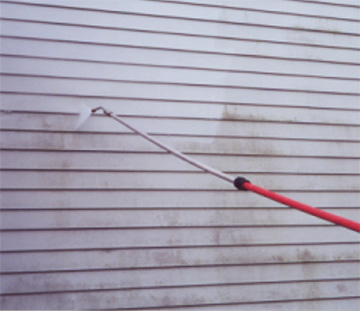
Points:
[240,183]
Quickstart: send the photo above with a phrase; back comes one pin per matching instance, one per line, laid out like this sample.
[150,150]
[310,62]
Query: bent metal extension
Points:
[240,183]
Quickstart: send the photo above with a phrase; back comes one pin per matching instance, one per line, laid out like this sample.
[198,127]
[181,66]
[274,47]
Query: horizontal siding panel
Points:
[183,296]
[341,303]
[146,237]
[299,7]
[318,47]
[100,123]
[351,3]
[211,9]
[61,86]
[76,50]
[181,257]
[40,219]
[166,41]
[26,66]
[347,303]
[129,18]
[45,282]
[24,140]
[95,198]
[247,24]
[130,161]
[168,181]
[182,109]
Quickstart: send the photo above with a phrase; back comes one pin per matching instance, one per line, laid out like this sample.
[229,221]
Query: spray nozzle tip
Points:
[84,114]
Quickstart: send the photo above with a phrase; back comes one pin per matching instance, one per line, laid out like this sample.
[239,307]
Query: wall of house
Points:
[98,218]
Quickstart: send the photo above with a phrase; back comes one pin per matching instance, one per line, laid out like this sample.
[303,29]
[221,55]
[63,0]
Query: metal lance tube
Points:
[240,182]
[167,148]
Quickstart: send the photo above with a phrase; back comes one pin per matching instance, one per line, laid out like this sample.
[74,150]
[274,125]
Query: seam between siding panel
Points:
[14,130]
[187,153]
[165,190]
[168,208]
[167,171]
[140,248]
[267,226]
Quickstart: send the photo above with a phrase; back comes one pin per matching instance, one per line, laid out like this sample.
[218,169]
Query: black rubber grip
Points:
[239,181]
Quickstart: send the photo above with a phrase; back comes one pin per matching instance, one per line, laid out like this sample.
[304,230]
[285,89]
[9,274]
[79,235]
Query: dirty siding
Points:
[101,219]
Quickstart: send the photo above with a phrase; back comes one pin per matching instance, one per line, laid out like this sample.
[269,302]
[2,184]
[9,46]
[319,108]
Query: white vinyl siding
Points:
[99,218]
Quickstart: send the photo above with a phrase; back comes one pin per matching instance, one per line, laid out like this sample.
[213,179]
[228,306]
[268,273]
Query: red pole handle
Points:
[243,184]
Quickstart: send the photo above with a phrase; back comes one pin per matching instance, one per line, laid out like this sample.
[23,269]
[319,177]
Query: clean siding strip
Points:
[351,4]
[222,6]
[20,66]
[157,39]
[182,24]
[235,6]
[95,98]
[9,19]
[111,53]
[165,83]
[171,49]
[118,63]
